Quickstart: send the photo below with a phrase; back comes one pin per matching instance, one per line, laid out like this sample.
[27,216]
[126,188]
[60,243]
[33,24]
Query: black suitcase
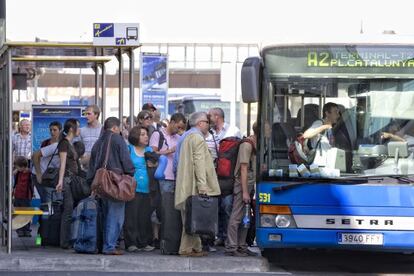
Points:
[50,223]
[201,215]
[171,226]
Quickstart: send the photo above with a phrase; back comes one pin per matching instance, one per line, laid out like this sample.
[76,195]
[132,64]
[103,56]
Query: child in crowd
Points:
[23,190]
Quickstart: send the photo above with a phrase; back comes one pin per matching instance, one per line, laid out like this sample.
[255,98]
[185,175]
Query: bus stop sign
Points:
[116,34]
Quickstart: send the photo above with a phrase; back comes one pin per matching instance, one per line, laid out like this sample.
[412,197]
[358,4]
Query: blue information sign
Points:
[103,30]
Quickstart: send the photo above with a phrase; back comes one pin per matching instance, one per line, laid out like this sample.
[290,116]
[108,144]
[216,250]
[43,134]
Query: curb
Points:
[132,263]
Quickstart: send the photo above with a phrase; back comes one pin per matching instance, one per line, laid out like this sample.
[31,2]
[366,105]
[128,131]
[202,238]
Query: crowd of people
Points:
[190,147]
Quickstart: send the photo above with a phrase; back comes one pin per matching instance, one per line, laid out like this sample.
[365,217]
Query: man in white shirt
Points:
[90,133]
[321,131]
[220,130]
[22,141]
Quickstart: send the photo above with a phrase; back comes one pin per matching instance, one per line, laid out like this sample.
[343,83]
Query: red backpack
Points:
[227,156]
[23,186]
[299,154]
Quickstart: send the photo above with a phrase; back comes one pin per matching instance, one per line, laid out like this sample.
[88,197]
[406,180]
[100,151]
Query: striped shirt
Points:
[22,146]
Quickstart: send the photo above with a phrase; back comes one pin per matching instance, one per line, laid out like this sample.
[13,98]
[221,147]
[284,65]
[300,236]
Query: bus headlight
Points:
[283,221]
[267,221]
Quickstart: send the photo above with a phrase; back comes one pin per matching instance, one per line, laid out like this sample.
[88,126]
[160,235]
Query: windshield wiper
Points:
[339,180]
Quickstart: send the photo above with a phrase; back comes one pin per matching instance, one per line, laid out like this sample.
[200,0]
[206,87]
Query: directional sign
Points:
[103,30]
[116,34]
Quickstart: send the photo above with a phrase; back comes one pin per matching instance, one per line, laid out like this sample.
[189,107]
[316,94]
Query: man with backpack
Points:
[245,178]
[219,131]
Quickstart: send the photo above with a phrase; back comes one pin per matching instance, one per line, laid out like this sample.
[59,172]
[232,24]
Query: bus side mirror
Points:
[250,79]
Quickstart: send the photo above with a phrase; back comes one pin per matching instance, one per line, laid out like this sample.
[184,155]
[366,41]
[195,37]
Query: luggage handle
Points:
[205,200]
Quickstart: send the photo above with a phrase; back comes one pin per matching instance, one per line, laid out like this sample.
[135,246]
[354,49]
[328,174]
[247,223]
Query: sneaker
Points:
[236,254]
[132,248]
[248,252]
[212,249]
[147,248]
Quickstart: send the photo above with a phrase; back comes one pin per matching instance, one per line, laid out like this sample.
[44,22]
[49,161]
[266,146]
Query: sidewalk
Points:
[27,257]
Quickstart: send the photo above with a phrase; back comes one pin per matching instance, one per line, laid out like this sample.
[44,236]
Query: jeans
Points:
[225,207]
[45,193]
[167,186]
[113,213]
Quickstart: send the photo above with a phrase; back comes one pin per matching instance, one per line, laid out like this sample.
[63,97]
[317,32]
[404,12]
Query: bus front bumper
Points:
[396,241]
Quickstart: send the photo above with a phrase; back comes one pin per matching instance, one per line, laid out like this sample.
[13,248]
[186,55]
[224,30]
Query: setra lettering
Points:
[349,221]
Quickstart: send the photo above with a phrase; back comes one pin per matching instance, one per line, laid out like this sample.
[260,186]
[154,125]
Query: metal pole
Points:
[131,86]
[121,84]
[2,9]
[36,84]
[96,84]
[10,159]
[2,22]
[103,99]
[3,87]
[249,117]
[80,83]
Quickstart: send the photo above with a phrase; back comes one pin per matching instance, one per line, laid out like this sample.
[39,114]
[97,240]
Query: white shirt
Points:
[324,146]
[47,153]
[89,135]
[226,131]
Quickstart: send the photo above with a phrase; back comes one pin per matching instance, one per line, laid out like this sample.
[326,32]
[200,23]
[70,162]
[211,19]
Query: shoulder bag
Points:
[109,184]
[50,176]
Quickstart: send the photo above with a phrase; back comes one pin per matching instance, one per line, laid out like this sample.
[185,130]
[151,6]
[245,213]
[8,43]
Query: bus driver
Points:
[321,131]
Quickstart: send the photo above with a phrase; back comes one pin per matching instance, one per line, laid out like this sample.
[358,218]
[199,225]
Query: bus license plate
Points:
[360,238]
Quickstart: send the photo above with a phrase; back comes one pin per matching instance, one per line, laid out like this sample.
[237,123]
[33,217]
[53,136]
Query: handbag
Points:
[201,215]
[79,187]
[50,176]
[112,185]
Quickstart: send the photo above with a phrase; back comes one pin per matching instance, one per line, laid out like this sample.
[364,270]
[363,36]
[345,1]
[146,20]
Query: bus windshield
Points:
[373,92]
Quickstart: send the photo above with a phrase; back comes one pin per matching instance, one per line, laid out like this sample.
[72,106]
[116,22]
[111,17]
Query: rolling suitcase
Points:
[50,222]
[86,234]
[201,215]
[171,226]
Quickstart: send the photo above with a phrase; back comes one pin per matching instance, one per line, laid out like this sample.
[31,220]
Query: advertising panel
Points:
[43,115]
[154,80]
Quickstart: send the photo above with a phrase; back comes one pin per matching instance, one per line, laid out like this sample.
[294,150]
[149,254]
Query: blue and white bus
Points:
[363,198]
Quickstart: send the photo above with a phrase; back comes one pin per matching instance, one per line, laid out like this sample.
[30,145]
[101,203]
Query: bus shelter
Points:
[32,55]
